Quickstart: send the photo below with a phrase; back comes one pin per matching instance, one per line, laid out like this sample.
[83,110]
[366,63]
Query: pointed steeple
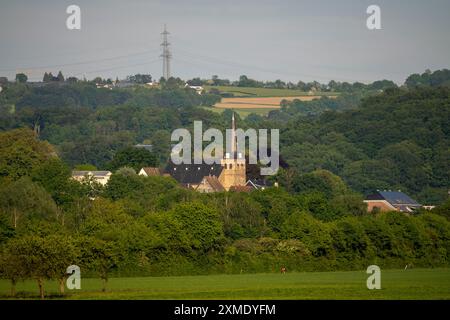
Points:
[233,124]
[233,137]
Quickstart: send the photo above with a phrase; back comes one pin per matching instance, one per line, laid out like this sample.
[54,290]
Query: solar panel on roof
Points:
[397,197]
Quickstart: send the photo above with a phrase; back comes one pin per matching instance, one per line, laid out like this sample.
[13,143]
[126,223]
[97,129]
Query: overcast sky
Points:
[267,40]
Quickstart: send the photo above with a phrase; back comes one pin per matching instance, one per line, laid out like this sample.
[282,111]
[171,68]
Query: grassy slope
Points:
[264,92]
[396,284]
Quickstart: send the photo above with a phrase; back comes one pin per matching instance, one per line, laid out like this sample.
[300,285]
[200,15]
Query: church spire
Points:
[233,125]
[233,137]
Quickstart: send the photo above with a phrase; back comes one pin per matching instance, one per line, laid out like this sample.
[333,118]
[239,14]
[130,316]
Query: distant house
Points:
[198,89]
[148,147]
[104,86]
[101,177]
[124,84]
[150,172]
[391,201]
[210,177]
[192,175]
[259,184]
[209,184]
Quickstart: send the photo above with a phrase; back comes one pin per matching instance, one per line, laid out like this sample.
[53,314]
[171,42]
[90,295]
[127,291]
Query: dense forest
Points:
[396,140]
[335,150]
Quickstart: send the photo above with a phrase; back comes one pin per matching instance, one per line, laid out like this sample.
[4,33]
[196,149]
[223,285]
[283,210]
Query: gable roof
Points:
[395,198]
[258,183]
[94,173]
[152,171]
[214,183]
[192,173]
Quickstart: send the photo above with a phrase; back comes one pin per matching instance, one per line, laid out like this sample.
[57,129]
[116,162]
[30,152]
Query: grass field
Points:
[263,92]
[395,284]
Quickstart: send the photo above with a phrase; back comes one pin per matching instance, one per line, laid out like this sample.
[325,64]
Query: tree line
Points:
[147,226]
[394,139]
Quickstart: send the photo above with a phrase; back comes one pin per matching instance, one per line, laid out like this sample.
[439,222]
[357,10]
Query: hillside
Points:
[396,140]
[263,92]
[152,226]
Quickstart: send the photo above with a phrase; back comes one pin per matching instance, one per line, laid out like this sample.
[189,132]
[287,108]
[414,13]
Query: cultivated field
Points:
[263,92]
[395,284]
[259,103]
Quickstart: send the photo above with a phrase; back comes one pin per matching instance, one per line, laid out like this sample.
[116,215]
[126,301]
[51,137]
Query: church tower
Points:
[233,164]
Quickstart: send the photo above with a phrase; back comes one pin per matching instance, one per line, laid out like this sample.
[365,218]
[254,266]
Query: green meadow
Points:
[264,92]
[395,284]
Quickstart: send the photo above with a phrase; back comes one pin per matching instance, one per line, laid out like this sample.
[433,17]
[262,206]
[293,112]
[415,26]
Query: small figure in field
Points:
[283,269]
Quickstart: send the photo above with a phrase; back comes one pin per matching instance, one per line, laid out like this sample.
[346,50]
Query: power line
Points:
[82,51]
[240,66]
[230,64]
[120,67]
[83,62]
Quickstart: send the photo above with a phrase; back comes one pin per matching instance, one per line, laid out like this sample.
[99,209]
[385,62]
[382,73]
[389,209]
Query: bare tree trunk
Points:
[15,217]
[13,287]
[105,280]
[37,128]
[62,285]
[41,287]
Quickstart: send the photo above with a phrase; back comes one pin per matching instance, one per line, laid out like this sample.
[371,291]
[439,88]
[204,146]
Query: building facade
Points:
[101,177]
[391,201]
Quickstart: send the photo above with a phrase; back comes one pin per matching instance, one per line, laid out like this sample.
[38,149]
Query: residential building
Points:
[148,147]
[150,172]
[101,177]
[391,201]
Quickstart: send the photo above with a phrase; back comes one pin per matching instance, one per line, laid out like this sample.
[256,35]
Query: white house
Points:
[198,89]
[150,172]
[101,177]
